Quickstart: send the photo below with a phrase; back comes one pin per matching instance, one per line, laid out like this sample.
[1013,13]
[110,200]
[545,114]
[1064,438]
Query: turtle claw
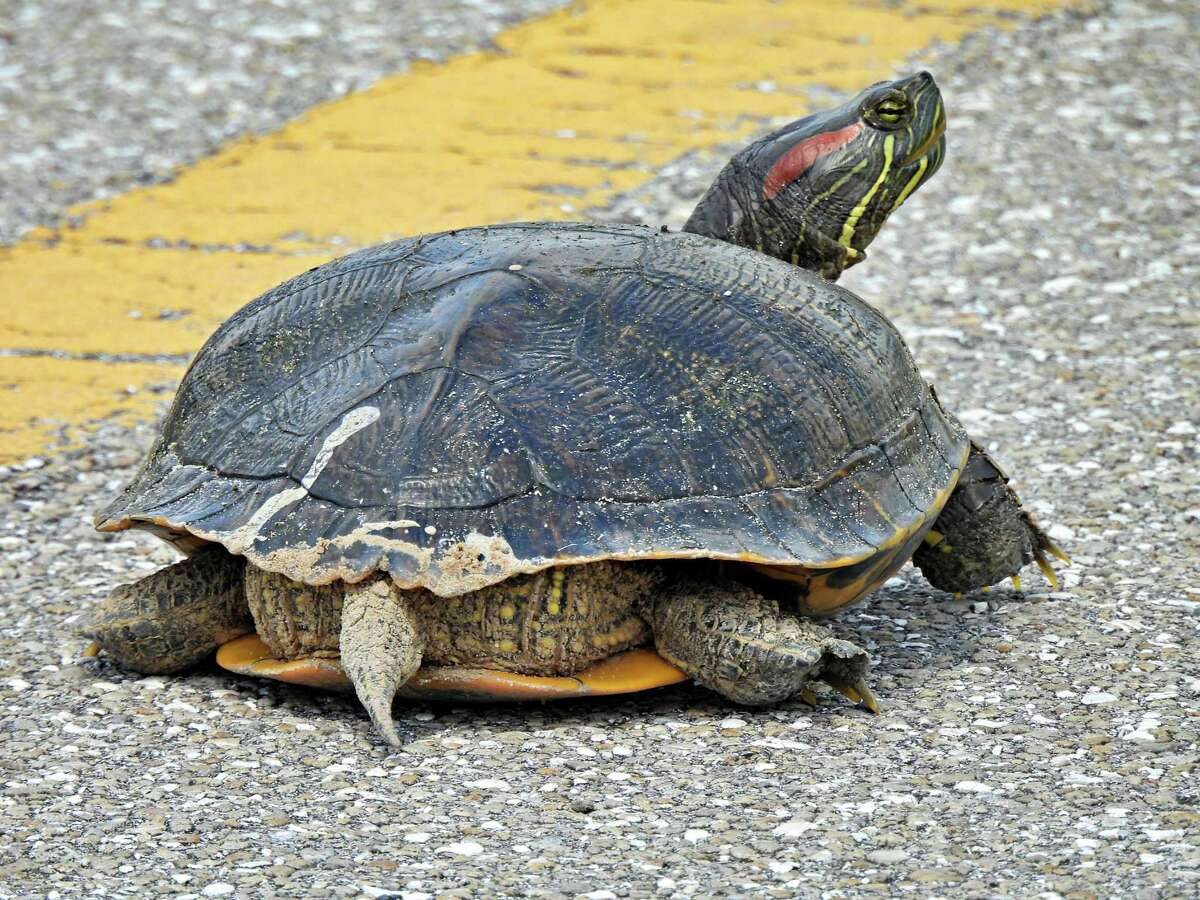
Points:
[1047,571]
[858,692]
[848,692]
[92,649]
[807,696]
[1016,580]
[1057,552]
[1042,546]
[869,700]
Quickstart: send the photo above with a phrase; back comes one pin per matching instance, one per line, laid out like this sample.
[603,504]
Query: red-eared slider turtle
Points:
[504,461]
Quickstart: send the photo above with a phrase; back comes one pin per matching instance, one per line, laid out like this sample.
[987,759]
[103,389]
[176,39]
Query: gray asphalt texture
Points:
[96,98]
[1031,744]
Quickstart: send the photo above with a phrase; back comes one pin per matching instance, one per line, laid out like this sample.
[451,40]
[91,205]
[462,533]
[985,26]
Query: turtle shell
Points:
[457,408]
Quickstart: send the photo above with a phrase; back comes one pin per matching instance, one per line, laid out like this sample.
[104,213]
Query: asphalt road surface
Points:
[1042,743]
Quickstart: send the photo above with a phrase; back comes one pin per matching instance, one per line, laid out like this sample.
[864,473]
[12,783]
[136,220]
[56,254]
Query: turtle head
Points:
[817,191]
[982,534]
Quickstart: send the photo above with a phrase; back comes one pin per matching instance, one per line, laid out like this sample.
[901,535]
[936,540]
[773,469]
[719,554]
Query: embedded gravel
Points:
[98,98]
[1031,744]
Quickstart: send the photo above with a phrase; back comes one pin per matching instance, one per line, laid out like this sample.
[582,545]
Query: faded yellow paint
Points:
[41,396]
[101,298]
[575,108]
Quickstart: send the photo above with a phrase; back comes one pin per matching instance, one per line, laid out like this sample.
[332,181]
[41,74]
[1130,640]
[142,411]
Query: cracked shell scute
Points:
[457,408]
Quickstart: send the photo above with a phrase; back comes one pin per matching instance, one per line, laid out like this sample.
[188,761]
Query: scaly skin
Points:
[734,641]
[556,622]
[816,192]
[292,618]
[174,618]
[381,648]
[982,536]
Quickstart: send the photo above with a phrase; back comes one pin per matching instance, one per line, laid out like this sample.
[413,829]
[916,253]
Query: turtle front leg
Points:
[734,641]
[174,618]
[381,649]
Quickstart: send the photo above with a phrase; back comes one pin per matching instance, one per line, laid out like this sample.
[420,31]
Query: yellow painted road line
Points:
[574,109]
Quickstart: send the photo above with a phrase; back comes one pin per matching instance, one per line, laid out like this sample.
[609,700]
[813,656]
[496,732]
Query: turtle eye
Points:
[888,112]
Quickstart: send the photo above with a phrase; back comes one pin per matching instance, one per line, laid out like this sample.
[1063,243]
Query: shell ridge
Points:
[256,407]
[766,328]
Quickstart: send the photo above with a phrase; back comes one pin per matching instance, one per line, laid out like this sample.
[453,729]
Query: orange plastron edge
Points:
[622,673]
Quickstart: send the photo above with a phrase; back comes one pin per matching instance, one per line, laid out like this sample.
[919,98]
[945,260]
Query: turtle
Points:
[535,460]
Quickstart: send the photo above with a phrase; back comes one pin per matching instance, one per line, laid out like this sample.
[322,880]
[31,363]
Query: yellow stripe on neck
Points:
[857,213]
[912,184]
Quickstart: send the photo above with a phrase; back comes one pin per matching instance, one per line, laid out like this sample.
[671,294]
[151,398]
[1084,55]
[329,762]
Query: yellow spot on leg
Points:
[554,604]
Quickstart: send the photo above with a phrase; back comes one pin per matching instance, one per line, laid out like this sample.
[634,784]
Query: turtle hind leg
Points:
[174,618]
[381,649]
[735,641]
[982,535]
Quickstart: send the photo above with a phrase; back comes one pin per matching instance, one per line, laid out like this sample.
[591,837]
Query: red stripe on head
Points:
[793,163]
